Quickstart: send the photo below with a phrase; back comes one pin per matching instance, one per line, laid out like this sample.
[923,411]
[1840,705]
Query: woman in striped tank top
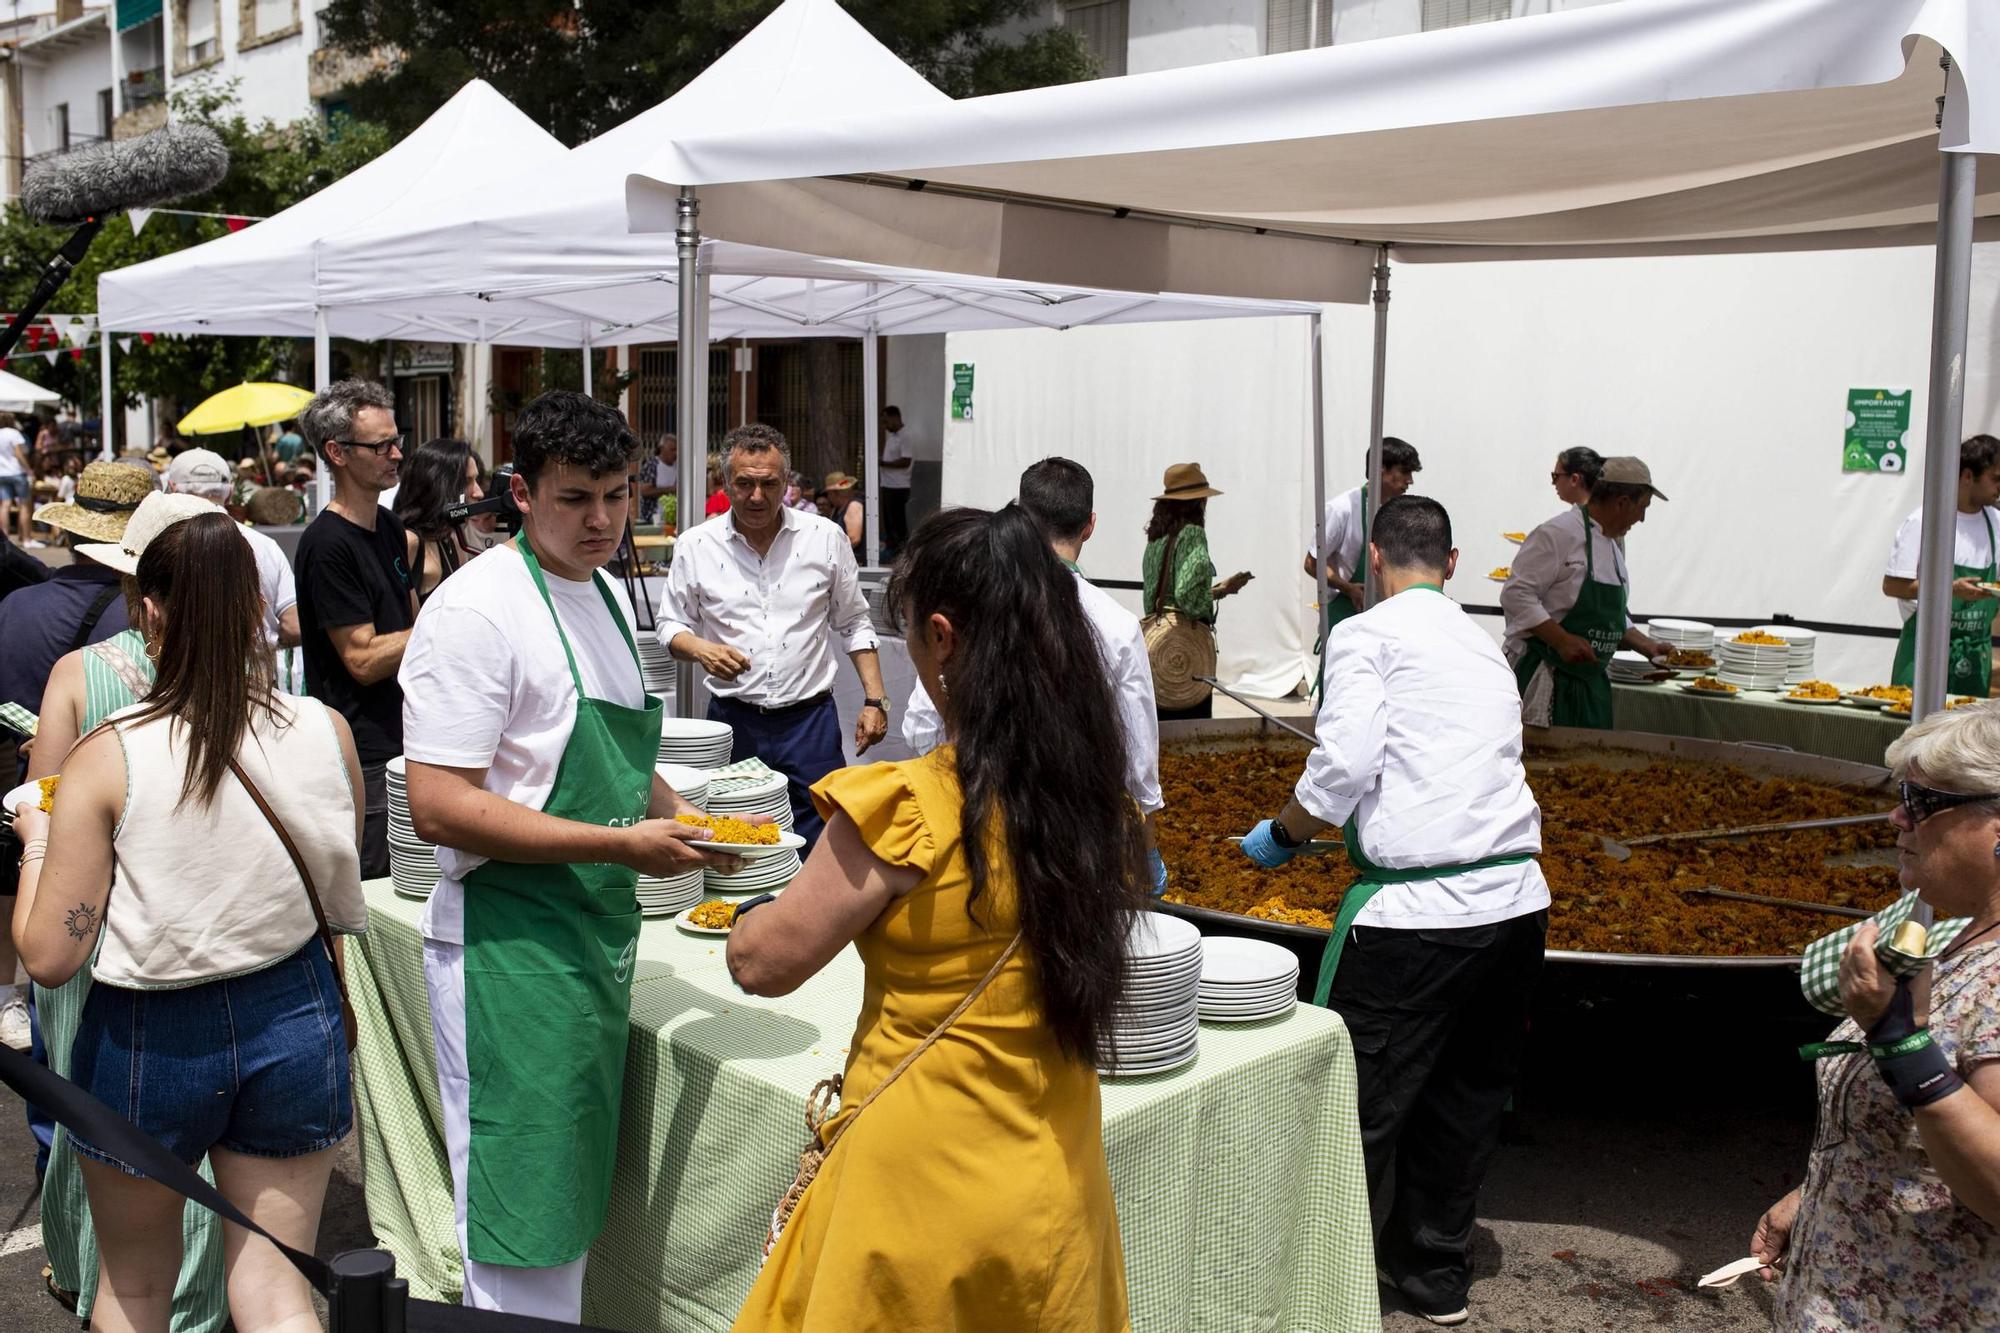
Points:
[86,687]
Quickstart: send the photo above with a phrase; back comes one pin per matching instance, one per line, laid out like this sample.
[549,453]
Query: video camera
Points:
[500,501]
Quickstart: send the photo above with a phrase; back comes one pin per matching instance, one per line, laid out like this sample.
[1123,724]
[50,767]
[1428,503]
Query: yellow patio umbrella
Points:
[250,404]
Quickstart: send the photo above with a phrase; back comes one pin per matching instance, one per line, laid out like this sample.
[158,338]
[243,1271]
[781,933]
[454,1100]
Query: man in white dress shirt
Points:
[1058,494]
[1433,959]
[759,599]
[1567,602]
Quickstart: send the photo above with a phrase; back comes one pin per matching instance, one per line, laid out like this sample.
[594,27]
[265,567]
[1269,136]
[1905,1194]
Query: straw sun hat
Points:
[106,495]
[1186,481]
[155,514]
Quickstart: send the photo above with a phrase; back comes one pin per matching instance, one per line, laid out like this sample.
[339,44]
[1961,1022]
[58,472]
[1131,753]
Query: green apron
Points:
[548,991]
[1373,880]
[1341,606]
[1971,633]
[1582,693]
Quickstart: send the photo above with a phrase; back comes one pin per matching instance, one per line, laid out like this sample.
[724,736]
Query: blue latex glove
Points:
[1263,848]
[1157,864]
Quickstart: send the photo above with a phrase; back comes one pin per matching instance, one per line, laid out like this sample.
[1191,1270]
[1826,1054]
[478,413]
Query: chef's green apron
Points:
[548,990]
[1582,695]
[1373,880]
[1341,606]
[1971,632]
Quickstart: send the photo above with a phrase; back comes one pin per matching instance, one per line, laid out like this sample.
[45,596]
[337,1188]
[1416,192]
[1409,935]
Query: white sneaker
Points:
[14,1027]
[36,544]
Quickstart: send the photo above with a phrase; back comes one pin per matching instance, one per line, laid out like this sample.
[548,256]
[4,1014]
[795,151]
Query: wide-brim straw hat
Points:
[106,496]
[838,481]
[155,514]
[1186,481]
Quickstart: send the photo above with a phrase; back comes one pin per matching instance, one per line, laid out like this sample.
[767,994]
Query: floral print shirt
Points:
[1880,1241]
[1191,584]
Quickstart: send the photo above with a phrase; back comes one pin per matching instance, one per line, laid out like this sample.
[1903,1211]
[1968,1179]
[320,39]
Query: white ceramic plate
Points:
[758,851]
[689,926]
[1815,703]
[1135,1070]
[1689,688]
[27,791]
[1219,1016]
[1235,959]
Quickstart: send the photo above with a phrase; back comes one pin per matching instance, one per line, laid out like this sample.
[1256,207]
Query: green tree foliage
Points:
[579,67]
[271,167]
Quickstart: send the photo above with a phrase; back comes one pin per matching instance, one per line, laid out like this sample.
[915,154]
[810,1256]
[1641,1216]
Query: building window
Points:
[106,113]
[260,21]
[1101,25]
[1297,25]
[62,127]
[200,38]
[1458,13]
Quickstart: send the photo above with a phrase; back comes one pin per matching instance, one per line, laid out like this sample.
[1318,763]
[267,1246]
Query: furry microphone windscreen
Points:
[156,168]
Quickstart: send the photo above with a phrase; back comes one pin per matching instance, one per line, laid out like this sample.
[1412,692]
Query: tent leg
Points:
[322,378]
[588,388]
[1322,587]
[1377,389]
[691,389]
[104,430]
[1946,418]
[871,434]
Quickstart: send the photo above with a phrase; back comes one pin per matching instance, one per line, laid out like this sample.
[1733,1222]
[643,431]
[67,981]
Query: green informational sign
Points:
[1878,431]
[961,391]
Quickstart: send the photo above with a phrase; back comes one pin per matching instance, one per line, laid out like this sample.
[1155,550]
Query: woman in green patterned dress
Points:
[1179,512]
[84,688]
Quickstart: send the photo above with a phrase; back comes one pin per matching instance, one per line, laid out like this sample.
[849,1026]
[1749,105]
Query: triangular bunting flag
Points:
[49,357]
[235,223]
[146,338]
[77,332]
[139,217]
[76,354]
[124,345]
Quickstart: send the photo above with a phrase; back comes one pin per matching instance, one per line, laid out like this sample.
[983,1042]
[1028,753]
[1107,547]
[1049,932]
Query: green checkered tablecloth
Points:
[1838,731]
[1241,1195]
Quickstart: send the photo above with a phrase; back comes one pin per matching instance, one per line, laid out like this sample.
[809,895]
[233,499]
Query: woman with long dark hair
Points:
[208,960]
[989,887]
[1179,577]
[437,475]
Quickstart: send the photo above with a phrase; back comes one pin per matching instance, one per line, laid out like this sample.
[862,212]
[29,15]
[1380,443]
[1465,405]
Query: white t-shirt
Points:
[1972,544]
[13,452]
[896,449]
[1340,532]
[485,685]
[274,576]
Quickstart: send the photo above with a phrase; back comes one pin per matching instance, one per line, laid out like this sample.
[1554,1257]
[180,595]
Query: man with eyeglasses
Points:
[356,605]
[759,599]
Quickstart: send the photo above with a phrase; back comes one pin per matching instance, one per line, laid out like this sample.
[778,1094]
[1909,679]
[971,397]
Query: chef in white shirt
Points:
[759,599]
[1059,494]
[1974,564]
[1567,602]
[1344,528]
[897,465]
[1433,958]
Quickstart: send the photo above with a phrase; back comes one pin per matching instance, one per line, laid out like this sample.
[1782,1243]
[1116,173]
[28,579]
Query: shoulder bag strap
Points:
[1164,580]
[312,893]
[93,615]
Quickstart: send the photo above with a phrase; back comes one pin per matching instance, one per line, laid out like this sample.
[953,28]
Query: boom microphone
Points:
[169,163]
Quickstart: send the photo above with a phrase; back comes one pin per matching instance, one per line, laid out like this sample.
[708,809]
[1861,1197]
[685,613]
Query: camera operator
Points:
[437,478]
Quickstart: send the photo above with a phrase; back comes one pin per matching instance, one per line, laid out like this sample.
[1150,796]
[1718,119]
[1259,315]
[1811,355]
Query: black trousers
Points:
[1439,1021]
[895,517]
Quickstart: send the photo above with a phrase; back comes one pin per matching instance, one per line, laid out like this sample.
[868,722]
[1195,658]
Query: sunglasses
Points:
[1920,803]
[378,447]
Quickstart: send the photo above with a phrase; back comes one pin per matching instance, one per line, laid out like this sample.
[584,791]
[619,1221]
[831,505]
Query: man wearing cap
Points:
[761,599]
[205,474]
[1567,599]
[79,603]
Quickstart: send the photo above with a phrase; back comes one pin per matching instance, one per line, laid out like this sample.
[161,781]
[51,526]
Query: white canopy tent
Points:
[23,395]
[1653,126]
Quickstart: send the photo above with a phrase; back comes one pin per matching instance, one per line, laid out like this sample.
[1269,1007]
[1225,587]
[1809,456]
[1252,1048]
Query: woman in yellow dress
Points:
[972,1193]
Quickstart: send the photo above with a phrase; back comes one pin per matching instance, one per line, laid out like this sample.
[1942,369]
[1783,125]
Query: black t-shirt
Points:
[348,575]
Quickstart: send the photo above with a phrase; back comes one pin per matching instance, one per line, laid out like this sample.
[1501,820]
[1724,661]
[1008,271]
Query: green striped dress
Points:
[201,1301]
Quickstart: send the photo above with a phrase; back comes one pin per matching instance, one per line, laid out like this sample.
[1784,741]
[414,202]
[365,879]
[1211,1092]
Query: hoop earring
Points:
[153,655]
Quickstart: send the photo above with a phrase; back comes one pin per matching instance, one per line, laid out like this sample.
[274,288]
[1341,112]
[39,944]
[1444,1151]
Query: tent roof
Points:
[22,395]
[263,279]
[1657,124]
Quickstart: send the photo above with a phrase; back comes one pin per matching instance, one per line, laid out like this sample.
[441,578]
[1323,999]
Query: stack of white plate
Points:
[763,874]
[691,783]
[413,867]
[1799,644]
[761,796]
[1629,666]
[669,897]
[1245,980]
[1154,1026]
[695,742]
[1693,635]
[656,664]
[1754,666]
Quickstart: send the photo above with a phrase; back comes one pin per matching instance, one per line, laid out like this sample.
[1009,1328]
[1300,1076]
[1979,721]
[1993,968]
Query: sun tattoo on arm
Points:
[81,921]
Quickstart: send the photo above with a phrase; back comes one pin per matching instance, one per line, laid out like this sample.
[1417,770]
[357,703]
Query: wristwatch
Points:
[882,704]
[1283,836]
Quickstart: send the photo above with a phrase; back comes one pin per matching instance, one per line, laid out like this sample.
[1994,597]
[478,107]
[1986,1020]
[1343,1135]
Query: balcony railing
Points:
[144,86]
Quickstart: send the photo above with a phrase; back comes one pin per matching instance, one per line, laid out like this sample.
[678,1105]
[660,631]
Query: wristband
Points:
[1907,1057]
[743,909]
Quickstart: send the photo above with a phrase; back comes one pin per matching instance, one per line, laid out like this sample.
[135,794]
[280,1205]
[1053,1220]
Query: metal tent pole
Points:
[871,435]
[1950,297]
[322,377]
[691,400]
[587,385]
[104,449]
[1322,588]
[1376,392]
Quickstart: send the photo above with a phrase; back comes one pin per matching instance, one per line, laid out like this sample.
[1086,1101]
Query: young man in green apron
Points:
[1973,563]
[1567,602]
[531,743]
[1433,958]
[1343,540]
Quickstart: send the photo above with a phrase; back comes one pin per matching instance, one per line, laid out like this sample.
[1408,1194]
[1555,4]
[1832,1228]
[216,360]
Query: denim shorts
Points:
[256,1064]
[14,486]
